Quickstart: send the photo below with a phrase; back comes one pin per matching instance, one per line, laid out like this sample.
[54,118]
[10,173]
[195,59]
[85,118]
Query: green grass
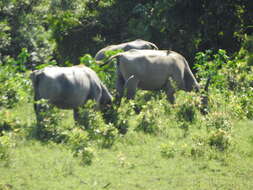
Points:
[203,152]
[164,146]
[134,162]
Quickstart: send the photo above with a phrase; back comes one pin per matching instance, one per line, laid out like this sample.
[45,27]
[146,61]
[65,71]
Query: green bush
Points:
[247,104]
[94,124]
[208,64]
[8,123]
[15,84]
[7,141]
[187,113]
[48,126]
[106,73]
[231,80]
[80,145]
[150,119]
[220,139]
[124,115]
[91,131]
[218,120]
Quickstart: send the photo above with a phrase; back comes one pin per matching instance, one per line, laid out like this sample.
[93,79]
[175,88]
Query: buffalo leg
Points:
[40,111]
[119,86]
[170,91]
[131,86]
[78,118]
[38,108]
[76,115]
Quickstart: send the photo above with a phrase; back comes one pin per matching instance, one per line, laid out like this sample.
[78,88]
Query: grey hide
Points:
[153,70]
[68,87]
[136,44]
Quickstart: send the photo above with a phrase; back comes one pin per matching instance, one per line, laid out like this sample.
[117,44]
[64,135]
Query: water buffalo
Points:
[152,70]
[68,88]
[136,44]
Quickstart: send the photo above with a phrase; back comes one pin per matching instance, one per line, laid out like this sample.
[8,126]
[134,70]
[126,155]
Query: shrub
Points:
[150,118]
[246,101]
[90,131]
[48,124]
[186,108]
[124,113]
[8,123]
[105,73]
[110,114]
[232,77]
[142,97]
[220,139]
[7,141]
[148,122]
[218,120]
[15,85]
[186,112]
[79,143]
[94,124]
[208,64]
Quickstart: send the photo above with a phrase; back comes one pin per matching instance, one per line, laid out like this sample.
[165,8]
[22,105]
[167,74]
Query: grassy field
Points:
[145,143]
[170,159]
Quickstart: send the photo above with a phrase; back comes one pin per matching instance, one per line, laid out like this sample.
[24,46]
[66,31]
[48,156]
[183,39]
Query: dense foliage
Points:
[64,30]
[216,36]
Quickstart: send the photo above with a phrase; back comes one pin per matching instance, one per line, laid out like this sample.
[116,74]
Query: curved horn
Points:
[153,45]
[110,59]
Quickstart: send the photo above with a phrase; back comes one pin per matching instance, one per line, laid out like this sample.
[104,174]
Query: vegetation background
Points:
[145,143]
